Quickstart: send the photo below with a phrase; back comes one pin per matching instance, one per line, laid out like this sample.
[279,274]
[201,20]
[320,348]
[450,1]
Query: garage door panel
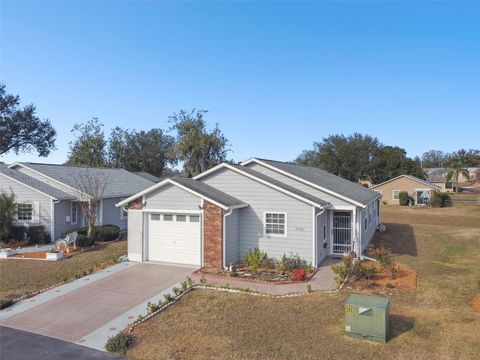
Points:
[174,241]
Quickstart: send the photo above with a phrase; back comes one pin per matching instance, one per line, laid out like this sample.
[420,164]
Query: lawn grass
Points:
[21,277]
[436,322]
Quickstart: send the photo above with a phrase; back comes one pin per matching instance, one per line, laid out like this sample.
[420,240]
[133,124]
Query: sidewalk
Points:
[323,280]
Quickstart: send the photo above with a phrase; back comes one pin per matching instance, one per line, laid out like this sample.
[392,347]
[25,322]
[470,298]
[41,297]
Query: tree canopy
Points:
[196,147]
[21,130]
[89,146]
[437,158]
[360,157]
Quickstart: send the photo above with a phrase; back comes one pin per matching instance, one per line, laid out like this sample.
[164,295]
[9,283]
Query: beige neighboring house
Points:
[438,177]
[419,190]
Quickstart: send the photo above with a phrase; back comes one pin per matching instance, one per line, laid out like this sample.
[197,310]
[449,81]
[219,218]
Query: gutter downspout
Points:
[224,236]
[316,232]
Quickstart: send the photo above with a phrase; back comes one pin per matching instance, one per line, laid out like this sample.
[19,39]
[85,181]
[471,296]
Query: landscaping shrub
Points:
[367,272]
[403,198]
[18,232]
[257,259]
[299,274]
[118,343]
[8,209]
[37,234]
[100,233]
[439,199]
[386,259]
[343,269]
[288,263]
[5,302]
[84,241]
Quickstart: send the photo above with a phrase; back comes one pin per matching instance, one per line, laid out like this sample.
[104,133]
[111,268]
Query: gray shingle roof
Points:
[324,179]
[208,191]
[119,182]
[148,176]
[282,185]
[34,183]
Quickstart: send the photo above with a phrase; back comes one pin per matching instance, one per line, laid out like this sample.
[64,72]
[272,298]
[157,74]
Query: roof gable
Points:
[323,180]
[195,187]
[410,177]
[119,182]
[34,184]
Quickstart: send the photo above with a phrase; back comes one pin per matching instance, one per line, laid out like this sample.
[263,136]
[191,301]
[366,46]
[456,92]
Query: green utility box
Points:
[367,317]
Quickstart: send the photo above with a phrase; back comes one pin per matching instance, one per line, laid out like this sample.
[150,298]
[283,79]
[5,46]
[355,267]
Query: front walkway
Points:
[323,280]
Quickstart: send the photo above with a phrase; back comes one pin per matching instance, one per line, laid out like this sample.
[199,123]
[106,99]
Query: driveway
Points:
[81,312]
[21,345]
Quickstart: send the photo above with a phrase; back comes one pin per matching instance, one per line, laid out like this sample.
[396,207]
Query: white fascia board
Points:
[239,171]
[303,181]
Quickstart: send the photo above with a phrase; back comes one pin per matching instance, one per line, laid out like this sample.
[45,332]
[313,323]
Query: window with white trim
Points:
[396,194]
[167,217]
[25,212]
[74,213]
[275,224]
[181,218]
[194,218]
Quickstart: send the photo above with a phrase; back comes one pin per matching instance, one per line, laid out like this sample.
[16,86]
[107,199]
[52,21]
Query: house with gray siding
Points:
[214,219]
[48,194]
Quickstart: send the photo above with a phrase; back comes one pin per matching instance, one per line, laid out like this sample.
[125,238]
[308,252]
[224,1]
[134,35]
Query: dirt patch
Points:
[405,280]
[476,302]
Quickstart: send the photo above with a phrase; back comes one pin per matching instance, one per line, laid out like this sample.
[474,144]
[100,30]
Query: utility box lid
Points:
[378,302]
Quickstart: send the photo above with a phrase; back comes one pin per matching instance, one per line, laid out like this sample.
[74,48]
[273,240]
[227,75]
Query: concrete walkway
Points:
[323,280]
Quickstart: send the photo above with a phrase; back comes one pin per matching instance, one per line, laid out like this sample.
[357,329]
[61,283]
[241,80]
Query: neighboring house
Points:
[438,177]
[47,195]
[217,217]
[418,189]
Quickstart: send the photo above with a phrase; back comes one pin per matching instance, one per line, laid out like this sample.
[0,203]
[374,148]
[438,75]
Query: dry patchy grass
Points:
[20,277]
[436,322]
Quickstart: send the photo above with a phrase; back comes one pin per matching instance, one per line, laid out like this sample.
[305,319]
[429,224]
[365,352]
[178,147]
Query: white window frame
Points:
[265,224]
[393,195]
[71,212]
[31,213]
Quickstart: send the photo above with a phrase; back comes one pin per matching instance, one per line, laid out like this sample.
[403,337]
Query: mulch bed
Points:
[406,279]
[262,276]
[41,255]
[476,302]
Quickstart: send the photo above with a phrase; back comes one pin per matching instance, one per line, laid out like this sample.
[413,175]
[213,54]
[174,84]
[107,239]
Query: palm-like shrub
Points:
[455,173]
[8,209]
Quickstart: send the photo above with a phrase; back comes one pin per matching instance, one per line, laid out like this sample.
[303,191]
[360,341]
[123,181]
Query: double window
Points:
[25,212]
[275,224]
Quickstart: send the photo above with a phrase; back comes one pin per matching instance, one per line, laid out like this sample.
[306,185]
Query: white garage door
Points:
[174,238]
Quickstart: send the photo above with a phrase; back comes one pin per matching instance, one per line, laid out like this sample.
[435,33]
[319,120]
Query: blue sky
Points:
[275,76]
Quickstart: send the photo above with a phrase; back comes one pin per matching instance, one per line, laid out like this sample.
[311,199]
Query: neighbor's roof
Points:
[202,190]
[411,177]
[323,179]
[148,176]
[282,185]
[31,182]
[119,182]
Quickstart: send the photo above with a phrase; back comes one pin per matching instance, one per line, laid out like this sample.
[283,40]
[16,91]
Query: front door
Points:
[341,232]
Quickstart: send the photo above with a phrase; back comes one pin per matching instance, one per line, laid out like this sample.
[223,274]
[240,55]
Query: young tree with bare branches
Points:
[88,188]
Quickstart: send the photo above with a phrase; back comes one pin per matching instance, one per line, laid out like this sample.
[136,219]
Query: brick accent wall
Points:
[213,235]
[136,204]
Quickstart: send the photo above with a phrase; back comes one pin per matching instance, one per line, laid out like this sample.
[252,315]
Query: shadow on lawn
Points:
[400,324]
[399,238]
